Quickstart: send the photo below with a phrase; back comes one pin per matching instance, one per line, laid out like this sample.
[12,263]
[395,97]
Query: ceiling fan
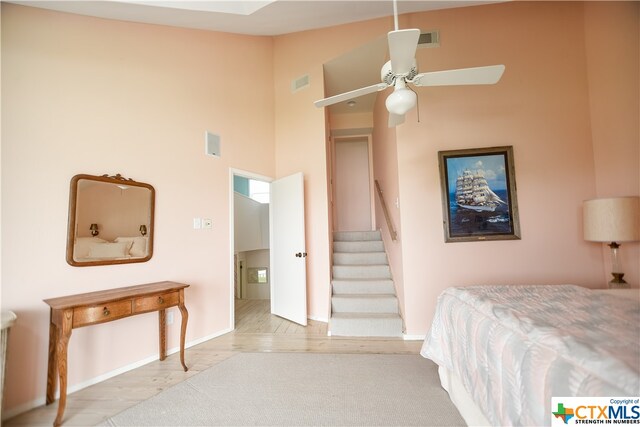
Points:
[402,70]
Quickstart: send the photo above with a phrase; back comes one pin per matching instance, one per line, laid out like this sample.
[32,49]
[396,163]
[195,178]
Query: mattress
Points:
[514,347]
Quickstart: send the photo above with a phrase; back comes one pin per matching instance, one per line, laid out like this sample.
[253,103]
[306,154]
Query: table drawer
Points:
[83,316]
[156,302]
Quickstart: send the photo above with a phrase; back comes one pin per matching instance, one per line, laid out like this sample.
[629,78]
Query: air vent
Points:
[300,83]
[429,39]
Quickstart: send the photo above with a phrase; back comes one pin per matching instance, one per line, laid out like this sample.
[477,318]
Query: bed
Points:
[504,351]
[97,249]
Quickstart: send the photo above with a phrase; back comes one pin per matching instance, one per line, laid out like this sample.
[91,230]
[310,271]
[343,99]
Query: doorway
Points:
[353,208]
[250,240]
[280,228]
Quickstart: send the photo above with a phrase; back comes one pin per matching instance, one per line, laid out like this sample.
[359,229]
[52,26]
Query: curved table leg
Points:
[162,325]
[62,344]
[183,329]
[52,381]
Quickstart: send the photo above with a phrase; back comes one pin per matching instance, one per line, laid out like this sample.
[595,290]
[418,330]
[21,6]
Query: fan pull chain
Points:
[417,102]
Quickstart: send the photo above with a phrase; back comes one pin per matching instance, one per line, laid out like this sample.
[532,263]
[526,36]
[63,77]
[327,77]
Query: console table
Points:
[76,311]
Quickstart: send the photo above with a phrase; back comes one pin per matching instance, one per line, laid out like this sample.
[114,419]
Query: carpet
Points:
[302,389]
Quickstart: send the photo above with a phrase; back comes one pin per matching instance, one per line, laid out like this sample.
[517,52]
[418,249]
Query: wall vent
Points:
[300,83]
[429,39]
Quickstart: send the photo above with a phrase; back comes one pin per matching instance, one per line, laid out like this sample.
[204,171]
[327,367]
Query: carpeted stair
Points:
[364,302]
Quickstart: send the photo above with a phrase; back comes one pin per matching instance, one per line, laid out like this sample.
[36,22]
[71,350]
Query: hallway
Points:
[254,317]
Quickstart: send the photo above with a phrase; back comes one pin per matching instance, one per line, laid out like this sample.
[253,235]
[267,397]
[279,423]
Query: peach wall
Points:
[351,121]
[385,168]
[541,108]
[301,140]
[96,96]
[85,95]
[612,36]
[351,181]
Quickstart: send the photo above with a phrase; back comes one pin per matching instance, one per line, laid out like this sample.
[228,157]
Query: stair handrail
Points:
[392,231]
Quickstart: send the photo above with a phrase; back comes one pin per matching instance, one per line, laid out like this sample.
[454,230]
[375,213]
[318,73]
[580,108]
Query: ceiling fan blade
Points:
[402,49]
[464,76]
[349,95]
[395,119]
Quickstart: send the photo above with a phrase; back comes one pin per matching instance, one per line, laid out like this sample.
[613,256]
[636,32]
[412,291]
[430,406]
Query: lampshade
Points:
[93,227]
[402,99]
[612,220]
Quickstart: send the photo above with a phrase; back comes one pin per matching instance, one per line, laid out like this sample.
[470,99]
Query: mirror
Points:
[110,221]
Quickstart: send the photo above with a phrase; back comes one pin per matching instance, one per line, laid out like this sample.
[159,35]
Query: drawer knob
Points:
[160,300]
[106,311]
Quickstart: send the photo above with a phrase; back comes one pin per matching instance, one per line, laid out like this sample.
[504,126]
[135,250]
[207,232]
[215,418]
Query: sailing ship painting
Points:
[479,189]
[473,192]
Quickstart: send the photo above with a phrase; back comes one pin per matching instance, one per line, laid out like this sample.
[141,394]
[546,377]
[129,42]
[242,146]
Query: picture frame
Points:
[258,275]
[479,200]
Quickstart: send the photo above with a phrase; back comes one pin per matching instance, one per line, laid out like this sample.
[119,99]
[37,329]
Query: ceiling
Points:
[355,69]
[358,68]
[254,17]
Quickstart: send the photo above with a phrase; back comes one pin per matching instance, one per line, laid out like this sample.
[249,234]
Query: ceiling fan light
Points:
[401,101]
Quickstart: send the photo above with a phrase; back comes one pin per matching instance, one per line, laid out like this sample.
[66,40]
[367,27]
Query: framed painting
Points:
[479,194]
[258,275]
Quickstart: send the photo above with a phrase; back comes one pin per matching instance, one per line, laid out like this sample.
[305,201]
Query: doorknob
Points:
[301,255]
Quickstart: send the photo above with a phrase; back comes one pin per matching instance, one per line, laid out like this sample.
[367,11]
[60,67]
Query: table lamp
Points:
[612,220]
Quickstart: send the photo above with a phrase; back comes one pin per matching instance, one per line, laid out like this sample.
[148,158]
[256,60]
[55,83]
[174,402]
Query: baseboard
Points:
[76,387]
[318,319]
[22,408]
[413,337]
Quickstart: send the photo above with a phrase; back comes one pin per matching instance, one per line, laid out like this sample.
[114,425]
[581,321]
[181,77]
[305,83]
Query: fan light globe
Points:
[401,101]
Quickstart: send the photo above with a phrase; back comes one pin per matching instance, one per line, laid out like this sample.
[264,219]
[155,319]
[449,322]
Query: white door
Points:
[352,186]
[288,253]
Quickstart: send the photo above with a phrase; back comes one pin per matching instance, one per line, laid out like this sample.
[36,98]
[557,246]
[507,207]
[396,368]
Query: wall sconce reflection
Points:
[94,230]
[143,230]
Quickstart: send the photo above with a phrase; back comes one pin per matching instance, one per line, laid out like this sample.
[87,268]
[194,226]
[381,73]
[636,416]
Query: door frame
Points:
[250,175]
[336,137]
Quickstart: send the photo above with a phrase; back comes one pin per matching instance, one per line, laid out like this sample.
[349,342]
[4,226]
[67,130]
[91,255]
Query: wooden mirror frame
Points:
[72,225]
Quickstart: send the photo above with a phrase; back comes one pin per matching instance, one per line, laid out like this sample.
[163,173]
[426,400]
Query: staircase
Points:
[363,302]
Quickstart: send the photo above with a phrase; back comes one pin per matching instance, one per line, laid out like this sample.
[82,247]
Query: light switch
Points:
[207,223]
[197,223]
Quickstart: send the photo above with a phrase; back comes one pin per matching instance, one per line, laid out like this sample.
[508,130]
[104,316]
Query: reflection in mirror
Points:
[110,221]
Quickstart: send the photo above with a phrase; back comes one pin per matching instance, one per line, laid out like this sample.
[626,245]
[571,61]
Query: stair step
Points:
[350,236]
[362,246]
[372,303]
[363,302]
[359,258]
[361,272]
[366,325]
[362,286]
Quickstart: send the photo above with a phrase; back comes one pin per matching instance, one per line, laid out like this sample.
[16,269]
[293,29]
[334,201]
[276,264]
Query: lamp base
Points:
[618,282]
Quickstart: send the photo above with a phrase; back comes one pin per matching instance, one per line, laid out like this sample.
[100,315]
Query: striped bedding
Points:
[515,347]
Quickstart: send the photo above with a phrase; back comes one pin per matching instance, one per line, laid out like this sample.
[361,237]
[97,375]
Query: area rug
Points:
[302,389]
